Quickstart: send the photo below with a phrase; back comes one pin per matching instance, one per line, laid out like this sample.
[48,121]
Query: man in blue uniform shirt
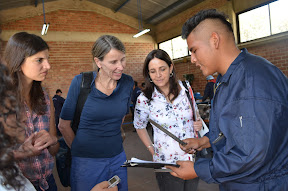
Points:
[209,88]
[58,102]
[249,114]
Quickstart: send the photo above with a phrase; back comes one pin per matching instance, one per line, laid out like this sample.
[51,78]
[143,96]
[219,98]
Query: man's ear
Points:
[97,62]
[215,39]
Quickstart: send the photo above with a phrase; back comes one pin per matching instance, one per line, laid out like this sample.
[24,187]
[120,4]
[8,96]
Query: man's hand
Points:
[194,144]
[103,186]
[185,171]
[44,139]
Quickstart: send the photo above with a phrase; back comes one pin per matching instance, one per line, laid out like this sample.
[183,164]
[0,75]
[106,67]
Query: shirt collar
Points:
[225,78]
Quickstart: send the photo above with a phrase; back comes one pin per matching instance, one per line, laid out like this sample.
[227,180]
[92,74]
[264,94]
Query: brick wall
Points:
[69,20]
[186,67]
[70,57]
[275,52]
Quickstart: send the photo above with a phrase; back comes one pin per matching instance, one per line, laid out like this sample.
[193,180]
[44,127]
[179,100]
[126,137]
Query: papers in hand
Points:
[134,162]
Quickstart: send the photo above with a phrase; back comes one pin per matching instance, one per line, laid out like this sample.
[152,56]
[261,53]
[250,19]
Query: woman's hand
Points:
[197,125]
[44,139]
[151,148]
[27,149]
[145,138]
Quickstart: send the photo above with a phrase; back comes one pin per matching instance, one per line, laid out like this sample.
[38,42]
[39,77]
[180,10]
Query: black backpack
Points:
[63,157]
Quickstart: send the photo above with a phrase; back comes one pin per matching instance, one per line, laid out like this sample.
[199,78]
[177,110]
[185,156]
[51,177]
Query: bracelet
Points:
[152,145]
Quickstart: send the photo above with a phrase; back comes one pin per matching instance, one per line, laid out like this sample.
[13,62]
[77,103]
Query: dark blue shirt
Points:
[250,108]
[209,91]
[99,134]
[58,102]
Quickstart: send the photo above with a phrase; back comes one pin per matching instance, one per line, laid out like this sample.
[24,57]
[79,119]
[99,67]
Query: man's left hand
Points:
[185,171]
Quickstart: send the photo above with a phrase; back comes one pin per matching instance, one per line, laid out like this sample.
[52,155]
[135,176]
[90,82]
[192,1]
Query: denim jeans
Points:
[167,182]
[87,172]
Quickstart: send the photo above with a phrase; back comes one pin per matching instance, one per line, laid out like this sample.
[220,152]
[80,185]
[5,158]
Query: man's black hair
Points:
[58,90]
[194,21]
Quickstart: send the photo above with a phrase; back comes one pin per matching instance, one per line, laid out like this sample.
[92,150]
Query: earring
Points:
[150,80]
[171,74]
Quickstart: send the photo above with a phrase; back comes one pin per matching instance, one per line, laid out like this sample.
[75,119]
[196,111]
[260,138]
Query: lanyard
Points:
[215,87]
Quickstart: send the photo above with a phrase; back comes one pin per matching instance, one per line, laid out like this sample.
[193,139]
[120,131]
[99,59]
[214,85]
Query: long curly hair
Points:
[8,105]
[20,46]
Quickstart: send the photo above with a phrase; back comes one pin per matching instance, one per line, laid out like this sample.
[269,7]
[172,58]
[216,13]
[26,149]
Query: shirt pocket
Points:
[243,132]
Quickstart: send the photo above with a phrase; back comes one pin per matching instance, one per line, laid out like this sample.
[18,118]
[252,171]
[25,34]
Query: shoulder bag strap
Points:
[190,100]
[85,89]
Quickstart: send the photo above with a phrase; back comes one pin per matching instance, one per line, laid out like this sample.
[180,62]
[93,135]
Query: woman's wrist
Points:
[55,143]
[150,146]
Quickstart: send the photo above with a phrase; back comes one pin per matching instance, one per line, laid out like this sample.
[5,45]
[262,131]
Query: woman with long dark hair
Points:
[164,101]
[27,56]
[12,132]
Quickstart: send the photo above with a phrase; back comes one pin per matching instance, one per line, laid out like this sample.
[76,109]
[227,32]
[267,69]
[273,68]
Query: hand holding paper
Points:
[185,171]
[197,125]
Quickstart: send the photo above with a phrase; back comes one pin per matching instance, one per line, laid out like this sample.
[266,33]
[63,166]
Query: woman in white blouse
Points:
[164,100]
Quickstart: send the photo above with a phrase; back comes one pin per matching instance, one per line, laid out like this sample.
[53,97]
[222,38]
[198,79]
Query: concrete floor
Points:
[140,179]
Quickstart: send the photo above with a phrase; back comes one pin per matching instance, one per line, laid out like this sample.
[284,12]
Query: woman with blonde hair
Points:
[97,150]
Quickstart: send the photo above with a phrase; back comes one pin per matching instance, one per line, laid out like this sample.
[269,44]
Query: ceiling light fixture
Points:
[45,26]
[141,30]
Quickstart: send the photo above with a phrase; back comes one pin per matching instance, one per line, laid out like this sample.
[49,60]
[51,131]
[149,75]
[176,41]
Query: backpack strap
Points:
[85,89]
[190,99]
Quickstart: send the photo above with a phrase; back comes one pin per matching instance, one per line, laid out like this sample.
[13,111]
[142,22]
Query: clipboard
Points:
[134,162]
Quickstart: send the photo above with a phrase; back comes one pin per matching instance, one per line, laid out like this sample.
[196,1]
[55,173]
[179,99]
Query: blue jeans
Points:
[87,172]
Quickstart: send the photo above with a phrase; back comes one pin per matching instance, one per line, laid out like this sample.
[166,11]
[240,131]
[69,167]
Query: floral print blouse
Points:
[175,117]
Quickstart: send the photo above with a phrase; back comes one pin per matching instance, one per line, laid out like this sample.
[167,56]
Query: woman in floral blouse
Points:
[164,100]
